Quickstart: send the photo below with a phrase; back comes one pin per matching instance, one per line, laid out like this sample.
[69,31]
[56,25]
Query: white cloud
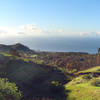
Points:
[23,30]
[28,30]
[32,30]
[7,32]
[90,34]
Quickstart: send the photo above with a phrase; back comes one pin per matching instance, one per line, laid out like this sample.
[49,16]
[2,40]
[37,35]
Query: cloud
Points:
[23,30]
[8,32]
[28,30]
[31,27]
[90,34]
[31,30]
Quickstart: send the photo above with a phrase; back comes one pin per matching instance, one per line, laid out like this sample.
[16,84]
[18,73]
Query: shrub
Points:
[87,77]
[8,90]
[95,82]
[98,69]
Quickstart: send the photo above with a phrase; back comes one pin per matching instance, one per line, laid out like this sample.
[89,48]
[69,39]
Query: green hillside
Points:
[85,87]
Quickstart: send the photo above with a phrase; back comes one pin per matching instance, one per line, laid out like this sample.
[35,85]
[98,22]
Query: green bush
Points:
[8,90]
[95,82]
[87,77]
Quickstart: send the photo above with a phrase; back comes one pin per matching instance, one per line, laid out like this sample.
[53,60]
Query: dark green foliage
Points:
[87,76]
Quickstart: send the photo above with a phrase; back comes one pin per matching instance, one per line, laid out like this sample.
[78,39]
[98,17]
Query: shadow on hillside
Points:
[59,92]
[54,93]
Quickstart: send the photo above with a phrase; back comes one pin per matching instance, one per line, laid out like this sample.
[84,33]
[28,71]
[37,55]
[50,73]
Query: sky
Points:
[20,19]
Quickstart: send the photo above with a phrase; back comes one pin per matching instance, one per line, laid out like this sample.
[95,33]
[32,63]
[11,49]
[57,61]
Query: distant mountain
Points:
[18,46]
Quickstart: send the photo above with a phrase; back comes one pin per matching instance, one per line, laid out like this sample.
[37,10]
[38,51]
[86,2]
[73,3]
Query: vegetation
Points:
[84,87]
[5,54]
[95,82]
[70,61]
[94,69]
[47,76]
[83,92]
[8,90]
[33,79]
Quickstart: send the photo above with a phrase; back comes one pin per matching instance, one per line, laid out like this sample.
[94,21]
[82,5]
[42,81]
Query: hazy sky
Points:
[49,17]
[50,23]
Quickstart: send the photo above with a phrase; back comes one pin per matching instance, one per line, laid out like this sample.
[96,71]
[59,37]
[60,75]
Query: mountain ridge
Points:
[18,46]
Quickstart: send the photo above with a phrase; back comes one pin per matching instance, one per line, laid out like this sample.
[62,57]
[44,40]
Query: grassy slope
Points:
[94,69]
[83,92]
[80,89]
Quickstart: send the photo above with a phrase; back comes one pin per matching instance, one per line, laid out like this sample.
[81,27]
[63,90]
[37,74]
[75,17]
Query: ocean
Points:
[58,44]
[65,44]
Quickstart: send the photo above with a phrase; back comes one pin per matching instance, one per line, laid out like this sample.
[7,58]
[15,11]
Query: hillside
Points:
[67,60]
[32,79]
[85,86]
[18,46]
[52,75]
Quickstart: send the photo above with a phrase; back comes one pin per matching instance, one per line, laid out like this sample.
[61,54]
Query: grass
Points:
[26,60]
[94,69]
[82,90]
[5,54]
[38,61]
